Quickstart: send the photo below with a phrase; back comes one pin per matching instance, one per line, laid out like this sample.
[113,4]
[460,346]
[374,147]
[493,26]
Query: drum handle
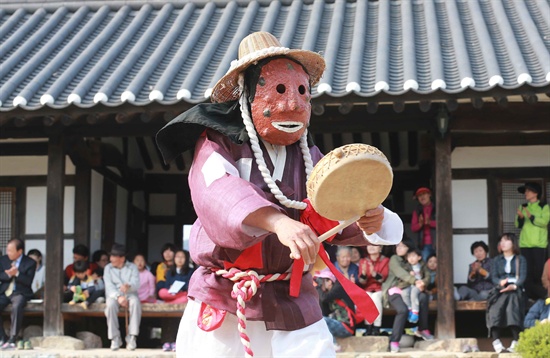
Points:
[336,229]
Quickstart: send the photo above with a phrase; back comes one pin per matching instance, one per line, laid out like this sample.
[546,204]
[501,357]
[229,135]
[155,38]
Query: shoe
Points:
[425,334]
[474,348]
[394,347]
[131,343]
[512,348]
[100,300]
[27,345]
[9,345]
[466,348]
[375,331]
[20,345]
[173,346]
[72,303]
[166,347]
[84,305]
[115,343]
[413,318]
[497,345]
[337,347]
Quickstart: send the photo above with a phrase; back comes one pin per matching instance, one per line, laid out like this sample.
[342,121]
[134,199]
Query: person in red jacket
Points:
[373,270]
[423,222]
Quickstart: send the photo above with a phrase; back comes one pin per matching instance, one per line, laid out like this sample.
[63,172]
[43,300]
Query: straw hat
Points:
[256,47]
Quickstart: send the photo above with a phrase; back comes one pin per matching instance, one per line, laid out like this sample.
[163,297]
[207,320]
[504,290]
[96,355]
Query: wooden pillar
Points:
[53,297]
[445,324]
[82,205]
[494,193]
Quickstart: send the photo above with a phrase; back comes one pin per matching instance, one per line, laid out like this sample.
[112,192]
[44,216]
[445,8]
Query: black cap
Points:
[531,186]
[118,250]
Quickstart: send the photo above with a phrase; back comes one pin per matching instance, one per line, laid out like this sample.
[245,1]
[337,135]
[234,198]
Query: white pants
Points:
[377,299]
[312,341]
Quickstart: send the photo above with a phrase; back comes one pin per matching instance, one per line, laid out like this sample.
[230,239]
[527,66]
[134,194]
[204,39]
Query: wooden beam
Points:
[53,319]
[82,205]
[445,324]
[494,213]
[500,139]
[502,173]
[34,148]
[492,117]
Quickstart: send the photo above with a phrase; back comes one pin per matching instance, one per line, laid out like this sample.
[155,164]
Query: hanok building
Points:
[454,92]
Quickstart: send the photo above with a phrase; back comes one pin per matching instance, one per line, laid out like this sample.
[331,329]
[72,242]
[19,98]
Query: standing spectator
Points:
[121,285]
[180,272]
[546,276]
[506,304]
[479,275]
[423,222]
[392,296]
[337,307]
[344,265]
[146,290]
[80,253]
[167,252]
[533,218]
[373,270]
[16,275]
[39,275]
[101,259]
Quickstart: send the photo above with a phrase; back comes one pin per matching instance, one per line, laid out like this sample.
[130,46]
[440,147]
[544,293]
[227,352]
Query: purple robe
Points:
[223,199]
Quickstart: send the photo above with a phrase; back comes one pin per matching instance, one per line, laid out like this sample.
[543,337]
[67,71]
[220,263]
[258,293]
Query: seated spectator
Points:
[344,265]
[356,254]
[337,307]
[146,290]
[431,264]
[80,253]
[179,274]
[546,276]
[16,275]
[392,296]
[101,259]
[479,275]
[168,252]
[506,303]
[39,275]
[540,311]
[121,285]
[373,270]
[83,288]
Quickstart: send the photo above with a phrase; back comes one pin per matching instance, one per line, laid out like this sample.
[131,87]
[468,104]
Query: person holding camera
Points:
[505,304]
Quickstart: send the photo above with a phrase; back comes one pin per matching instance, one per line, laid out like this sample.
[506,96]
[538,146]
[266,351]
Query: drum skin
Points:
[348,181]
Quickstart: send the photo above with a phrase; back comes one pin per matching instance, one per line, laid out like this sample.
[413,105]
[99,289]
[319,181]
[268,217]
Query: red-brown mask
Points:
[281,108]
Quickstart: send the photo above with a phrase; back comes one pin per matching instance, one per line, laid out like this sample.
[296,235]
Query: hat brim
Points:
[521,189]
[227,88]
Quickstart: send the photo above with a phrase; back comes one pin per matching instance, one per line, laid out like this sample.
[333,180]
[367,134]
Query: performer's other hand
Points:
[299,238]
[371,222]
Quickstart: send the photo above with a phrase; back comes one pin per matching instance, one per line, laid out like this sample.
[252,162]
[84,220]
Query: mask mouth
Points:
[288,126]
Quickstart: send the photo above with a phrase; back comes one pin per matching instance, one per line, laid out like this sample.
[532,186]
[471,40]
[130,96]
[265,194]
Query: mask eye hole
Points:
[302,89]
[281,88]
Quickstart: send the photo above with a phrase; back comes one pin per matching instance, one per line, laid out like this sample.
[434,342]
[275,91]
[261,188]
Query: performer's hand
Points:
[299,238]
[372,221]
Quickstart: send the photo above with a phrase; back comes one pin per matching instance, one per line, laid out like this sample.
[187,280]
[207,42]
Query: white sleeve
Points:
[391,232]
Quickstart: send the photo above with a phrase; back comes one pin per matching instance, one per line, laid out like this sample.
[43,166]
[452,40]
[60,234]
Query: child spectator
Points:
[179,274]
[338,308]
[39,274]
[84,288]
[431,289]
[479,277]
[168,252]
[146,290]
[373,270]
[418,270]
[80,253]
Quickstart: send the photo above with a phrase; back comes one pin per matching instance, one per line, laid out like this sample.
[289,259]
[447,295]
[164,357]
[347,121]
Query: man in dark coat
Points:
[16,275]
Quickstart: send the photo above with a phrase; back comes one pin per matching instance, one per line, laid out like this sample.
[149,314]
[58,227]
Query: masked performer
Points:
[248,179]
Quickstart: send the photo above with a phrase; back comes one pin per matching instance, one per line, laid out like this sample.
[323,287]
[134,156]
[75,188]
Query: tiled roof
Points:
[176,52]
